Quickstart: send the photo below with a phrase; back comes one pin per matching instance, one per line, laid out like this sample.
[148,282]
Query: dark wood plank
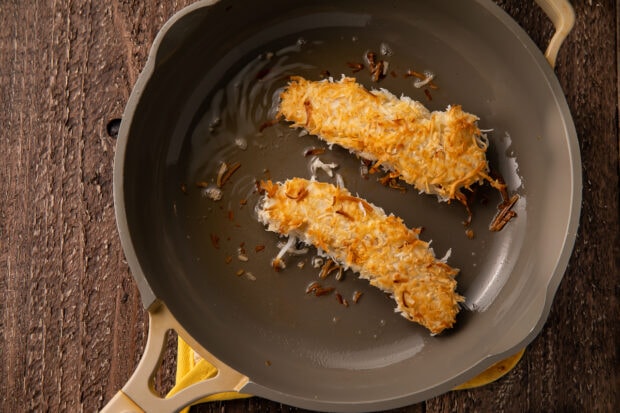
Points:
[72,324]
[69,289]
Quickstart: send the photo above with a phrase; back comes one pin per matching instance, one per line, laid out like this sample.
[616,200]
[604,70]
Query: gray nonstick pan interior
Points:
[208,100]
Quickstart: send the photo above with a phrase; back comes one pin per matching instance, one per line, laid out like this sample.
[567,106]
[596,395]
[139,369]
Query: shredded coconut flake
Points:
[339,181]
[445,258]
[241,143]
[292,240]
[317,262]
[429,76]
[292,249]
[212,192]
[316,164]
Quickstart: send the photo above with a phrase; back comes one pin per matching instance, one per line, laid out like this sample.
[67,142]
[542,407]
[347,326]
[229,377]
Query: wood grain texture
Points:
[72,323]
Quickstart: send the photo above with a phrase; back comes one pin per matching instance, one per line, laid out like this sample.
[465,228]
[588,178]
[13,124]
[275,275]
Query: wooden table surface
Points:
[72,326]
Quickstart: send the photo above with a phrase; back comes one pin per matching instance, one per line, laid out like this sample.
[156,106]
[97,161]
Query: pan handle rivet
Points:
[113,127]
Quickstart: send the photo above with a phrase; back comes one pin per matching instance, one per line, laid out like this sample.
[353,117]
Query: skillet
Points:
[202,265]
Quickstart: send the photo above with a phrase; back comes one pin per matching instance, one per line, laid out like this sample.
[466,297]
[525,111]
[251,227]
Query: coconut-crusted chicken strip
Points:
[360,236]
[437,152]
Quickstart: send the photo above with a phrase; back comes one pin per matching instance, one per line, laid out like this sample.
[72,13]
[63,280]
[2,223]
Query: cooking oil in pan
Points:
[234,143]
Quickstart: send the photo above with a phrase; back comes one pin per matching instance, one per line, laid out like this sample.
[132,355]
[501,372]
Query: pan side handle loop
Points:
[138,394]
[562,15]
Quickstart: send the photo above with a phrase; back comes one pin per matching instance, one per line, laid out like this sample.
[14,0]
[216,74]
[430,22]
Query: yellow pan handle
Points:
[138,394]
[496,371]
[562,15]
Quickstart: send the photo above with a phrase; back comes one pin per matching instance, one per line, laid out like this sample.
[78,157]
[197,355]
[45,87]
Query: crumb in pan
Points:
[359,235]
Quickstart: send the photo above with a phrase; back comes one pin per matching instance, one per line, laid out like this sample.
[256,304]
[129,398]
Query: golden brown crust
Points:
[436,152]
[362,237]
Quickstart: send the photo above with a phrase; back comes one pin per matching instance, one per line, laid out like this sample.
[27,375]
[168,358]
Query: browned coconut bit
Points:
[377,67]
[345,214]
[505,214]
[327,268]
[225,172]
[314,151]
[267,124]
[299,195]
[215,241]
[312,287]
[355,66]
[308,108]
[277,264]
[342,300]
[465,202]
[391,181]
[316,289]
[421,76]
[323,291]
